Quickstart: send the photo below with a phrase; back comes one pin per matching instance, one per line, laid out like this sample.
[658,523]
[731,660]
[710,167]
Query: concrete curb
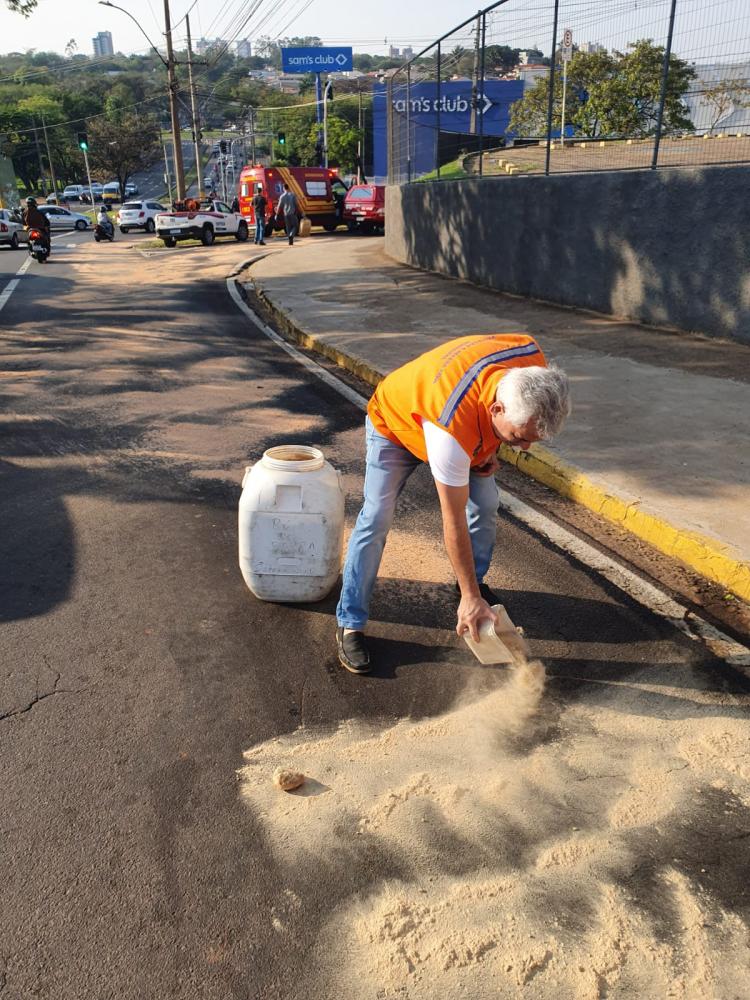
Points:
[702,554]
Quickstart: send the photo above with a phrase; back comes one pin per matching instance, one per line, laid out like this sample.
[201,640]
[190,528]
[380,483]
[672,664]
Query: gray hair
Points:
[536,392]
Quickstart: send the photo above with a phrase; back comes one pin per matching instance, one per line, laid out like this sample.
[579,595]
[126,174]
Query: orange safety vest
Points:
[453,386]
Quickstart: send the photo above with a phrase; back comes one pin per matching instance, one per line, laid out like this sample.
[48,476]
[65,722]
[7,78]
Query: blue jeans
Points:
[260,229]
[388,467]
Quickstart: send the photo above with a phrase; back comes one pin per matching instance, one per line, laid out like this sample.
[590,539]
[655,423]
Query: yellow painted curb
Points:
[700,553]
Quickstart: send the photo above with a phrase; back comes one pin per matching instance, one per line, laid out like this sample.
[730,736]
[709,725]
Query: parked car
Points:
[73,192]
[11,229]
[63,218]
[131,188]
[111,193]
[96,191]
[139,215]
[202,221]
[364,208]
[54,199]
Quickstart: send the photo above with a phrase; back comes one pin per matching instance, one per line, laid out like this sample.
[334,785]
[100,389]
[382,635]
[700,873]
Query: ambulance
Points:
[320,194]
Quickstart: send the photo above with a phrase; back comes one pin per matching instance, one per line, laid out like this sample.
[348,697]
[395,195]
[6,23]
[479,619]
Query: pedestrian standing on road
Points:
[260,206]
[289,210]
[452,407]
[235,204]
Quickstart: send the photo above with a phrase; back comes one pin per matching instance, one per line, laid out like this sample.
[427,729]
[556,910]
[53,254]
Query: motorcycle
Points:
[102,232]
[38,245]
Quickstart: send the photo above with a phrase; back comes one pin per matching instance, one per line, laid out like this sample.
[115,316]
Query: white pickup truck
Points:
[202,221]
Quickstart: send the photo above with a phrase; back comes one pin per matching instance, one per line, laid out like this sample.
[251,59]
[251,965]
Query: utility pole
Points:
[42,175]
[252,136]
[179,169]
[167,172]
[475,80]
[319,115]
[49,156]
[194,111]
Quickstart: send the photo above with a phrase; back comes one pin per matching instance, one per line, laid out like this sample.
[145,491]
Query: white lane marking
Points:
[7,291]
[10,287]
[644,592]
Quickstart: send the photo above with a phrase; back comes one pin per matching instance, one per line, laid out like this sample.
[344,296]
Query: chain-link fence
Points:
[561,86]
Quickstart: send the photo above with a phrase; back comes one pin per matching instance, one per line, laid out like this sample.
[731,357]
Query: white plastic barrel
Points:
[291,525]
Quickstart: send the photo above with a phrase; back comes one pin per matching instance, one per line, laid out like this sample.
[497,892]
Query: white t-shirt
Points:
[449,463]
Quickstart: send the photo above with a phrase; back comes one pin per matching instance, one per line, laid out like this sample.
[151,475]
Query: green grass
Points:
[448,172]
[158,244]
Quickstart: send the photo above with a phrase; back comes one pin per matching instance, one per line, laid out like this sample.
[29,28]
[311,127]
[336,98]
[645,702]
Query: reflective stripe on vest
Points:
[462,387]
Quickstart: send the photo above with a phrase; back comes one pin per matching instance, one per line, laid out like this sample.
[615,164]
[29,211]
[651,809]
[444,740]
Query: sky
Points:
[705,30]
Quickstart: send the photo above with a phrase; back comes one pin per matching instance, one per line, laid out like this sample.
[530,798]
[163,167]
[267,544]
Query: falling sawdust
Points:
[518,846]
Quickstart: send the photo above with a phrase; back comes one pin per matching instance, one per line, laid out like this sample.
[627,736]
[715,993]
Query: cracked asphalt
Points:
[135,666]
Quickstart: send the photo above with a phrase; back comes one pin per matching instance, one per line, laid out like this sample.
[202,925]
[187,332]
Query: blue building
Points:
[451,111]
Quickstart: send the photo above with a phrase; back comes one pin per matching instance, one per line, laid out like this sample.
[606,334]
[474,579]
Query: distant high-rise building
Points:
[408,52]
[243,48]
[591,48]
[204,45]
[103,44]
[393,52]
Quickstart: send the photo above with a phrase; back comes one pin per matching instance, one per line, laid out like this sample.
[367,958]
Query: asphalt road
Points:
[135,666]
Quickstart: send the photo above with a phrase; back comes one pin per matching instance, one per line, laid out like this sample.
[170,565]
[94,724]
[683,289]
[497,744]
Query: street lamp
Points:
[328,86]
[169,62]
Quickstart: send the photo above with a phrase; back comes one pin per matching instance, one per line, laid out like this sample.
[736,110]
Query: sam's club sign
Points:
[327,59]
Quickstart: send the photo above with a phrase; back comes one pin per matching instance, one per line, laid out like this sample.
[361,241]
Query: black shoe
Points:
[262,243]
[485,593]
[353,655]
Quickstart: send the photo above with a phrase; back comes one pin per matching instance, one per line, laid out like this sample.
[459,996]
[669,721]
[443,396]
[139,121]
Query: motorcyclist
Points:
[34,219]
[105,222]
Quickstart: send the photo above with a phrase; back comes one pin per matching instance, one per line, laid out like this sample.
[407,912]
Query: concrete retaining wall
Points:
[666,247]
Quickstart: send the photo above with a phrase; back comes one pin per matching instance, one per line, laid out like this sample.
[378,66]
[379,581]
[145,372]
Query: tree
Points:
[724,96]
[501,57]
[610,94]
[342,142]
[24,7]
[120,149]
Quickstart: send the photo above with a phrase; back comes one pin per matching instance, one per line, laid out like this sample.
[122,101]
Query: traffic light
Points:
[282,138]
[223,145]
[83,141]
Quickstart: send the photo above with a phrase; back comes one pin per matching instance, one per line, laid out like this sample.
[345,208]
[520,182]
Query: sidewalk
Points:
[659,439]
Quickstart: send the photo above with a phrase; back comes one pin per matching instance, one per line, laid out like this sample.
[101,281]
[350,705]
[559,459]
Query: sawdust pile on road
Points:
[559,851]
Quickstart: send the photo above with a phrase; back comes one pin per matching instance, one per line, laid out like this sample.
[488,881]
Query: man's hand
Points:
[472,611]
[489,468]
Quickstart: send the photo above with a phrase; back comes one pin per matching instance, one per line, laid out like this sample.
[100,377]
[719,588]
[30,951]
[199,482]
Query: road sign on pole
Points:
[567,55]
[567,46]
[325,59]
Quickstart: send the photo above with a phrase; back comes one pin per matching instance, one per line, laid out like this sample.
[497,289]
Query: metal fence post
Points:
[389,127]
[439,98]
[551,87]
[408,124]
[481,93]
[664,79]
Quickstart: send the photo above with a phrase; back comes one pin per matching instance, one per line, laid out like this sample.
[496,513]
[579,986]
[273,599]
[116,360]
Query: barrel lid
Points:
[293,458]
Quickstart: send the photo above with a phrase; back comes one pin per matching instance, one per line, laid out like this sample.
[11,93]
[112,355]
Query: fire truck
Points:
[320,194]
